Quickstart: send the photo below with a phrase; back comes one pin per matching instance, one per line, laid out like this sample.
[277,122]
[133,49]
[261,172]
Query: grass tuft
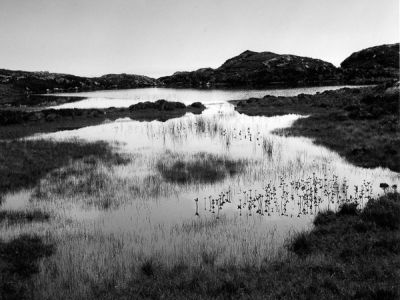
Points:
[301,244]
[324,218]
[201,167]
[384,212]
[348,209]
[148,268]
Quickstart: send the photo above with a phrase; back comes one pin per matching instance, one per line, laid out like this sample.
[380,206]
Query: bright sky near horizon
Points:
[159,37]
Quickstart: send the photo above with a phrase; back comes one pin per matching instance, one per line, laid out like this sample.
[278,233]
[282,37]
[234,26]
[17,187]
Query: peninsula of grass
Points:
[24,162]
[361,124]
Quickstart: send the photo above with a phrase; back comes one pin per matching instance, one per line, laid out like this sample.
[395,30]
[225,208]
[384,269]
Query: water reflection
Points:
[125,98]
[283,183]
[284,176]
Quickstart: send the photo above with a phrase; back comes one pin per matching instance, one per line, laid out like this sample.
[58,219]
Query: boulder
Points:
[197,105]
[51,117]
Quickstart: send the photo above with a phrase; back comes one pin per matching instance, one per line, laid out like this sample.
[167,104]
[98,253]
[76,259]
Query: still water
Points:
[125,98]
[284,181]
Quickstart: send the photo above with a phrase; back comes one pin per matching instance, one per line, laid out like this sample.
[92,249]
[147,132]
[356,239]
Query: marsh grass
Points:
[384,212]
[24,162]
[335,260]
[198,168]
[268,146]
[99,264]
[16,216]
[91,182]
[19,260]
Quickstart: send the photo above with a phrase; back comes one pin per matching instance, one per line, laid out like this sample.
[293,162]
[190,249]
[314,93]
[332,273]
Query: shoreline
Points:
[21,123]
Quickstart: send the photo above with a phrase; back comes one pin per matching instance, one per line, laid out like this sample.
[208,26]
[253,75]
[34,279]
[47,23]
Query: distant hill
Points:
[372,65]
[14,84]
[248,70]
[258,69]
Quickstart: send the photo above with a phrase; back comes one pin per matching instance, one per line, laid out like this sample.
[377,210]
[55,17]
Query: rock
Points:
[372,65]
[51,117]
[393,91]
[36,116]
[197,105]
[159,105]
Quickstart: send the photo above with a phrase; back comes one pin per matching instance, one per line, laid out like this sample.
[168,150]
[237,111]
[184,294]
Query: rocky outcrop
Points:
[372,65]
[164,105]
[258,69]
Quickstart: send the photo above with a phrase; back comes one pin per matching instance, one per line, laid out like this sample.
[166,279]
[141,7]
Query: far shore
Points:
[18,123]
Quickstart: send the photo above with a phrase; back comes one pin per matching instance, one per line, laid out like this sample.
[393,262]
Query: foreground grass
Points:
[24,163]
[18,261]
[362,125]
[350,254]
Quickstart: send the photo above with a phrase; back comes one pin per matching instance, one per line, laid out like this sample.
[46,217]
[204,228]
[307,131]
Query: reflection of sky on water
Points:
[125,98]
[220,130]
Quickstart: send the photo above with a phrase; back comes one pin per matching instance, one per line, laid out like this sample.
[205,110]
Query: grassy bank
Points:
[24,163]
[362,124]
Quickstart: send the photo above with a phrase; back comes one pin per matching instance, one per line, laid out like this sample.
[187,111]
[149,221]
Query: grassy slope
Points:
[362,125]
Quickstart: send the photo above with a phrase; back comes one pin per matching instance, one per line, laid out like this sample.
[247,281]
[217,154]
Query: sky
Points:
[159,37]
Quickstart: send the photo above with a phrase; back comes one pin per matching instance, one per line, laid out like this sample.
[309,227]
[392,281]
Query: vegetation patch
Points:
[200,167]
[89,181]
[18,261]
[24,163]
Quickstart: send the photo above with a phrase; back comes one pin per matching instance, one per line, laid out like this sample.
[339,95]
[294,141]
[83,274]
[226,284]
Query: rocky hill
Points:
[248,70]
[372,65]
[258,69]
[14,84]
